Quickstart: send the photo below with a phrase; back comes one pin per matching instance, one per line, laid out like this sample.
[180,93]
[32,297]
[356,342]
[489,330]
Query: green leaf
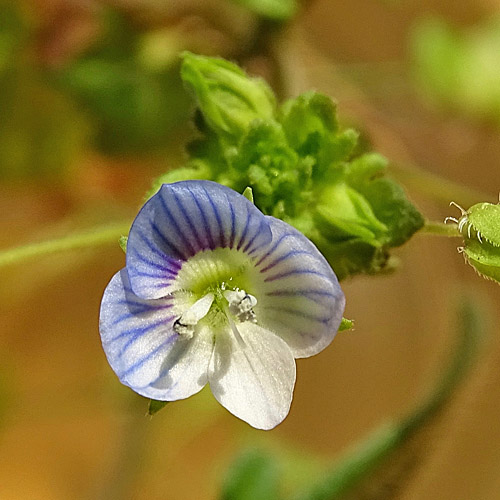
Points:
[155,406]
[346,325]
[311,127]
[123,243]
[253,476]
[277,10]
[308,120]
[248,194]
[228,99]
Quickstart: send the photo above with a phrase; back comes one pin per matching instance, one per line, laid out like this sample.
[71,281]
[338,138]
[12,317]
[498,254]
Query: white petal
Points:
[142,348]
[252,374]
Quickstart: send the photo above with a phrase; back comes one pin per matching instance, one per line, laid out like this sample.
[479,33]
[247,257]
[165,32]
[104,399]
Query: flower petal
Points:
[142,348]
[252,374]
[298,294]
[183,219]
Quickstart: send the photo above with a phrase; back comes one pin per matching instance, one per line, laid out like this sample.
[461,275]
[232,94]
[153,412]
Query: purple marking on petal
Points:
[166,241]
[205,221]
[139,363]
[253,238]
[233,223]
[222,242]
[189,221]
[285,293]
[173,265]
[250,252]
[281,258]
[162,274]
[137,333]
[295,312]
[274,247]
[155,250]
[244,233]
[176,226]
[295,271]
[137,311]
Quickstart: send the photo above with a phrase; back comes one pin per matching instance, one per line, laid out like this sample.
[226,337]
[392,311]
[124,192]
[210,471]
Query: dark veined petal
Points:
[142,348]
[299,297]
[252,374]
[183,219]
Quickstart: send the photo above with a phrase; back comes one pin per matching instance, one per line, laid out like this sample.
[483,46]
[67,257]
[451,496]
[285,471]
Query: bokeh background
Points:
[92,108]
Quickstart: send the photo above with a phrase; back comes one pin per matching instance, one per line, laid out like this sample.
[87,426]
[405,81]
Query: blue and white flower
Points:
[216,292]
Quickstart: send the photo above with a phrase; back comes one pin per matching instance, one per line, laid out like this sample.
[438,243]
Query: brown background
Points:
[69,430]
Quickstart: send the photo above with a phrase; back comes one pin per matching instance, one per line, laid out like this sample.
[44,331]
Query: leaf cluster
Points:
[302,167]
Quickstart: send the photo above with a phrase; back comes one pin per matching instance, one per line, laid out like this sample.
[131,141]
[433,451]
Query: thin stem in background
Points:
[102,235]
[370,454]
[441,229]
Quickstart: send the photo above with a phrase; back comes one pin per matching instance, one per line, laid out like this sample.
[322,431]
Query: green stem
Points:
[99,236]
[438,187]
[441,229]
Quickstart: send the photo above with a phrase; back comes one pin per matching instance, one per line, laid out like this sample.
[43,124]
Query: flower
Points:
[216,292]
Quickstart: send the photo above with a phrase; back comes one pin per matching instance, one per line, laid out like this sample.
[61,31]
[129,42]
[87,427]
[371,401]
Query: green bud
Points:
[345,214]
[228,98]
[480,228]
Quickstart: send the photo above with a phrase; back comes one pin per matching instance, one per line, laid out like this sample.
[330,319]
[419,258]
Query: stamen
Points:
[185,324]
[241,304]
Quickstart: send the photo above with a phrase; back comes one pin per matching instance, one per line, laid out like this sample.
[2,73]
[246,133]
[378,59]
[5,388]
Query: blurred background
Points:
[92,109]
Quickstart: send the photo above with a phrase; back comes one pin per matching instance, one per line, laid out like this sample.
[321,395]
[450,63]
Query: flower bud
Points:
[345,214]
[480,228]
[228,98]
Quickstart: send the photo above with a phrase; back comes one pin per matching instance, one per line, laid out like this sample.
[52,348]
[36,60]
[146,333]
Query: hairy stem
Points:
[99,236]
[441,229]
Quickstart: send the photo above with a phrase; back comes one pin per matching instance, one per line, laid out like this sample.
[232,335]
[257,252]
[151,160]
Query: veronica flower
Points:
[216,292]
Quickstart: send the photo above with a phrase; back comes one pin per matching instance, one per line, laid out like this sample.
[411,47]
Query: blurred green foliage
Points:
[277,10]
[254,475]
[135,100]
[41,131]
[460,69]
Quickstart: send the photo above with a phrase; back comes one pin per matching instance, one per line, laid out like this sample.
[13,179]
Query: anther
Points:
[241,304]
[186,323]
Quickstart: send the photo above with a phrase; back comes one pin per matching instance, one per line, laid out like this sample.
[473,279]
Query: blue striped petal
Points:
[299,297]
[183,219]
[142,348]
